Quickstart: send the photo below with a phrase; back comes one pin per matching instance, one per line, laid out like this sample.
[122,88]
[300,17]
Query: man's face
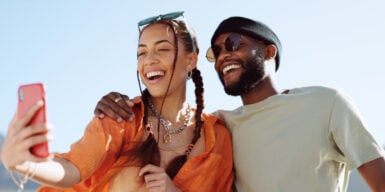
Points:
[239,68]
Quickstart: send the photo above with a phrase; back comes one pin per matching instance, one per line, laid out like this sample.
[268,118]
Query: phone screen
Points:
[28,95]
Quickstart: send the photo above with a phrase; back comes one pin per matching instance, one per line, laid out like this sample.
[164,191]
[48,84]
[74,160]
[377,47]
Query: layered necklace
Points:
[167,124]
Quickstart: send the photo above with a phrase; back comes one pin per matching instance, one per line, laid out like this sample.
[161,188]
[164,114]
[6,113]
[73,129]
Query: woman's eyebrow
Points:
[156,43]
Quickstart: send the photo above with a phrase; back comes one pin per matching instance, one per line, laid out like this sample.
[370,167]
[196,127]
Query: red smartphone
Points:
[28,95]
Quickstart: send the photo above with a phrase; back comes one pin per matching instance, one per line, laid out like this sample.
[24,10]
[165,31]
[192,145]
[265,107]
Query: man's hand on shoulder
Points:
[117,106]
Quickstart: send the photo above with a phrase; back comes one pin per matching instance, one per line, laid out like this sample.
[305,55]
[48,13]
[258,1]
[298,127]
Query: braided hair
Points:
[147,152]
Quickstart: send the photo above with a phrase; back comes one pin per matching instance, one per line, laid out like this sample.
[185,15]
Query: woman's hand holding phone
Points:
[24,134]
[29,95]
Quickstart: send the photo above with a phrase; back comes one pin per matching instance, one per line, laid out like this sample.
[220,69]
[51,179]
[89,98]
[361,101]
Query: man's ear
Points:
[271,52]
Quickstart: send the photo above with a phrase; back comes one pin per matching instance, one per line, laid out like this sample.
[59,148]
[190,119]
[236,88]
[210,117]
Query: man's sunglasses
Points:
[170,16]
[231,44]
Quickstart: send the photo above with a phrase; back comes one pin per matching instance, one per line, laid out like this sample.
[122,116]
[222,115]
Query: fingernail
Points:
[50,137]
[40,103]
[50,126]
[119,119]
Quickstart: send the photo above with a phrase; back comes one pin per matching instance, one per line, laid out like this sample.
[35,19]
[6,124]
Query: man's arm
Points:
[373,173]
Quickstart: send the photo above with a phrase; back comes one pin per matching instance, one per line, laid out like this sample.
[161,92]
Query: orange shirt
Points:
[97,152]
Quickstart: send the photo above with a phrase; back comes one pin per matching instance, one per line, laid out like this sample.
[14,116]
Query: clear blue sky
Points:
[81,50]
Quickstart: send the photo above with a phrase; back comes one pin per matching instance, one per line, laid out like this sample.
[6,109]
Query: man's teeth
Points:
[229,67]
[154,74]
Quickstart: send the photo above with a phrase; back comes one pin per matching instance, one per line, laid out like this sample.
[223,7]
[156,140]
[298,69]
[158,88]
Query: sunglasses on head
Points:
[152,19]
[231,44]
[167,16]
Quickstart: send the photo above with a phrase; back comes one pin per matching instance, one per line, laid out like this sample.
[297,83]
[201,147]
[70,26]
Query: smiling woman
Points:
[170,146]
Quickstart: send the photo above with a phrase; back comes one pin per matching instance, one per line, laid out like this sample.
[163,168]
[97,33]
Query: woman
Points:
[170,146]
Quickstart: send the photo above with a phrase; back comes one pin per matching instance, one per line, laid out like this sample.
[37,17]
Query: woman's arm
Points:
[58,172]
[16,156]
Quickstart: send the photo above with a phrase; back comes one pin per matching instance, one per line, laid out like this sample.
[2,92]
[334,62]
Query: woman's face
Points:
[156,52]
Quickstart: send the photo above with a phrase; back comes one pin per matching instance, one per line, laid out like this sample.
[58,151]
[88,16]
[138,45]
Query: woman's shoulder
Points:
[217,124]
[213,119]
[216,133]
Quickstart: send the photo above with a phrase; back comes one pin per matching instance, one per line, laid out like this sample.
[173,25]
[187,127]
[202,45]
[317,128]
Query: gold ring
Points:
[117,99]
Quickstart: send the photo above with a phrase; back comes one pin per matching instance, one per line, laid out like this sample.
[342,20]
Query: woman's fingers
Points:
[21,137]
[156,179]
[23,120]
[149,168]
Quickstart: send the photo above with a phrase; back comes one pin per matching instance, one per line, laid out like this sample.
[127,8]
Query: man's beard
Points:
[253,72]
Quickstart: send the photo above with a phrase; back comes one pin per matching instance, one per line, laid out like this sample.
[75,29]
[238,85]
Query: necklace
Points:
[167,124]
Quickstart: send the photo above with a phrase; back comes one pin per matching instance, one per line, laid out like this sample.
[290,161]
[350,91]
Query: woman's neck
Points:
[172,109]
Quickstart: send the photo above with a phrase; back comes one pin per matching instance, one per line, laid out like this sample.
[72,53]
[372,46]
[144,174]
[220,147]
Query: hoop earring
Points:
[189,75]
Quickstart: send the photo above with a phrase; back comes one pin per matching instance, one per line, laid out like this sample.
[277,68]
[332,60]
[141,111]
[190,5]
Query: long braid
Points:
[175,165]
[199,90]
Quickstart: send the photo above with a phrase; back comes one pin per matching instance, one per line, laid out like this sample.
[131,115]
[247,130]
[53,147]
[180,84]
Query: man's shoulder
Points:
[322,96]
[316,91]
[221,112]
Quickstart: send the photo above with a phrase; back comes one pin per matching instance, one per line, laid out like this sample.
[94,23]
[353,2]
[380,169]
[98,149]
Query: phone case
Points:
[28,95]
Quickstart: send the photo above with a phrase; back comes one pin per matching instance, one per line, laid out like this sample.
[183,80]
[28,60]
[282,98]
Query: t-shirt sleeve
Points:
[350,134]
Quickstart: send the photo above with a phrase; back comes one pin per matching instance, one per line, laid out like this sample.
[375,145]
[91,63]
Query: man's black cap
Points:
[251,28]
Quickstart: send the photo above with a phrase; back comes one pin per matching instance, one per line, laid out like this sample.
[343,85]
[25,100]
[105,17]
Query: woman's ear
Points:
[192,61]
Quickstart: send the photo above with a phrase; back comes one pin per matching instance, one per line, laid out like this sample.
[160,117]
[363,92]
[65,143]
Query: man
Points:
[301,139]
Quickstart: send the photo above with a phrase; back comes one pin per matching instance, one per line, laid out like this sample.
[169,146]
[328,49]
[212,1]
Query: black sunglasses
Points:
[232,43]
